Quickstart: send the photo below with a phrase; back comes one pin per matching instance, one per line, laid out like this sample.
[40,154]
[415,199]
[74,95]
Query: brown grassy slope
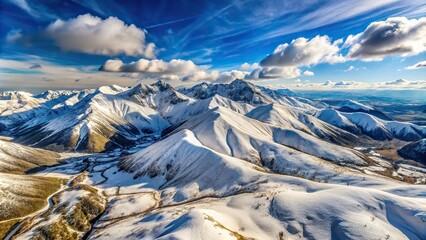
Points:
[16,158]
[21,195]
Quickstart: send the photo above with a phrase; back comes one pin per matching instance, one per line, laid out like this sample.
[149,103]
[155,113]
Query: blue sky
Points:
[217,36]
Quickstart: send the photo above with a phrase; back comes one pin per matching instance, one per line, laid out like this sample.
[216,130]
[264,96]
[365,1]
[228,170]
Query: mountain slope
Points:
[183,162]
[295,118]
[211,195]
[15,158]
[359,122]
[97,122]
[243,91]
[18,109]
[236,135]
[415,151]
[353,106]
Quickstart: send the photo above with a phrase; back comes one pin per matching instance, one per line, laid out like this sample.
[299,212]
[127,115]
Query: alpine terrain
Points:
[212,161]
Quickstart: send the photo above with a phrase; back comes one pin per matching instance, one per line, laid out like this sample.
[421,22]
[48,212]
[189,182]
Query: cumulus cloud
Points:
[304,52]
[417,66]
[398,82]
[248,66]
[93,35]
[328,83]
[230,76]
[201,76]
[175,70]
[215,76]
[395,36]
[308,73]
[274,73]
[175,66]
[344,83]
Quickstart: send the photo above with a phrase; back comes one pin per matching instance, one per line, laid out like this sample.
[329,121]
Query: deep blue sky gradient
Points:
[222,34]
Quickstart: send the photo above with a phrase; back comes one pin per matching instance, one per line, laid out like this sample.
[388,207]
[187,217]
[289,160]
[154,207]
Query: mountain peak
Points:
[162,85]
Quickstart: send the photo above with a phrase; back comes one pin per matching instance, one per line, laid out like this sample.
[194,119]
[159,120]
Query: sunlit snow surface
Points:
[250,164]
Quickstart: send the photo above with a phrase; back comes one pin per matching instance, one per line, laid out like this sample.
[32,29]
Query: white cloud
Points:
[350,68]
[308,73]
[344,83]
[201,76]
[274,73]
[176,69]
[328,83]
[215,76]
[417,66]
[305,52]
[28,75]
[396,84]
[397,36]
[248,66]
[93,35]
[230,76]
[175,66]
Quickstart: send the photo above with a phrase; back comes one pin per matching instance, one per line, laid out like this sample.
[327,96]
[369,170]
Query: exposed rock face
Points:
[415,151]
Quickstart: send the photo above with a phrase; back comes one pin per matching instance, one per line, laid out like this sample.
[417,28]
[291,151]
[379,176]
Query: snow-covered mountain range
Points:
[112,116]
[213,161]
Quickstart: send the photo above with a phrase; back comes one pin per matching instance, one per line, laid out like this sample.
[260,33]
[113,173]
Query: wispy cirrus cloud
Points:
[23,4]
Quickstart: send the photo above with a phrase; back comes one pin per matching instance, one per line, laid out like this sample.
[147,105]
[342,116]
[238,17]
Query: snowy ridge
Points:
[68,118]
[97,120]
[353,106]
[188,165]
[18,158]
[415,151]
[236,135]
[372,126]
[243,91]
[290,117]
[259,205]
